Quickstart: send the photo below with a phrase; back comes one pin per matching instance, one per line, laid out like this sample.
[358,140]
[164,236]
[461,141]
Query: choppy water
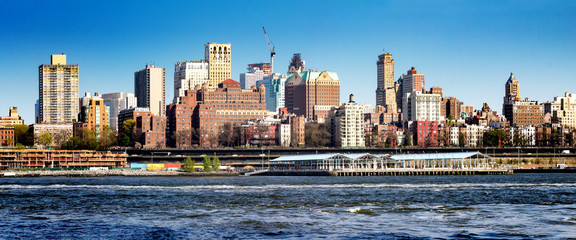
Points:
[486,207]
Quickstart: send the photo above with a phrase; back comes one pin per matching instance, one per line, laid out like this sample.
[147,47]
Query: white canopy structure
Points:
[366,161]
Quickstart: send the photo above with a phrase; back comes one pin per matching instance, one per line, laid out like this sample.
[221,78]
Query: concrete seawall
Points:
[114,172]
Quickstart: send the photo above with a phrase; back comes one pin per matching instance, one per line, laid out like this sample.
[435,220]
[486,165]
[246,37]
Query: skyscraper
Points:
[58,91]
[412,81]
[219,58]
[187,75]
[386,90]
[512,90]
[149,87]
[511,95]
[312,94]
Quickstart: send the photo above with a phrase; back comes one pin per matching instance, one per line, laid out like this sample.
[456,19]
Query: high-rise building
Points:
[512,90]
[347,122]
[150,89]
[511,94]
[412,81]
[386,89]
[118,102]
[419,106]
[58,91]
[187,75]
[219,58]
[275,90]
[94,115]
[312,94]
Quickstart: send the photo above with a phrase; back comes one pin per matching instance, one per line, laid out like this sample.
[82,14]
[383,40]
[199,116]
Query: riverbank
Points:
[113,172]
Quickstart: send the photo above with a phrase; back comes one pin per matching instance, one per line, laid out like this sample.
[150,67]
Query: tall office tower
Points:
[274,85]
[511,91]
[312,94]
[58,93]
[187,75]
[296,64]
[511,95]
[150,89]
[412,81]
[386,89]
[118,102]
[256,72]
[219,58]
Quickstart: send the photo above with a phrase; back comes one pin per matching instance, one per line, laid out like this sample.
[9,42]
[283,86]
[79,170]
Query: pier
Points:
[459,163]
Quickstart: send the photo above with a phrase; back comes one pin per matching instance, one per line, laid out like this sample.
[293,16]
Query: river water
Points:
[520,206]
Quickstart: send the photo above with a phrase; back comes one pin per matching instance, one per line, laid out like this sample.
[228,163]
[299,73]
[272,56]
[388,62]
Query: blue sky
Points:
[468,48]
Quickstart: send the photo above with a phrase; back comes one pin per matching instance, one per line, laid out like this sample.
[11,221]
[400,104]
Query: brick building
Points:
[312,94]
[150,130]
[425,133]
[198,116]
[7,136]
[524,113]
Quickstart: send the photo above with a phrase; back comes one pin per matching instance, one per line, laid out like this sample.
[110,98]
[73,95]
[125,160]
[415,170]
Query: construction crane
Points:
[272,50]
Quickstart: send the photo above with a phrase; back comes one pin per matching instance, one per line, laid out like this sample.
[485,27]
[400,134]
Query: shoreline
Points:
[114,173]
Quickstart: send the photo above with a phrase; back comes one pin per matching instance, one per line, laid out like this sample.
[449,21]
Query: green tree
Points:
[22,134]
[19,146]
[107,138]
[127,133]
[45,139]
[216,164]
[189,165]
[450,120]
[207,164]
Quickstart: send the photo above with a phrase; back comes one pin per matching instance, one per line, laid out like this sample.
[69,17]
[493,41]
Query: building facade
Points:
[524,113]
[419,106]
[150,89]
[219,58]
[347,122]
[425,133]
[58,91]
[189,74]
[149,130]
[312,94]
[386,89]
[118,102]
[95,115]
[275,91]
[412,81]
[206,109]
[256,72]
[7,136]
[12,119]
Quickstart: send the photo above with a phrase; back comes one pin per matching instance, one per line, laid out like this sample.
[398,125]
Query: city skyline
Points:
[468,49]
